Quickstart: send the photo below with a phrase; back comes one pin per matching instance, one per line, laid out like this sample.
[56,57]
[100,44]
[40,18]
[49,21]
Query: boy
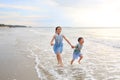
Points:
[77,50]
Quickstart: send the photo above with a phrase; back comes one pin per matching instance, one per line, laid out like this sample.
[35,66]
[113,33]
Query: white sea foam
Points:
[113,78]
[52,71]
[96,56]
[37,61]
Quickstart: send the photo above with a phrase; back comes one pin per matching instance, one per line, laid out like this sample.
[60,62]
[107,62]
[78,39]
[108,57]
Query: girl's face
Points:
[81,41]
[58,31]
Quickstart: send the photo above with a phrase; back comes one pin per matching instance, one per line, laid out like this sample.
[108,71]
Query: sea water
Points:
[101,53]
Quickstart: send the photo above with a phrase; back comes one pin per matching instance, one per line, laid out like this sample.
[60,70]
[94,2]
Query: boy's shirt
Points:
[78,48]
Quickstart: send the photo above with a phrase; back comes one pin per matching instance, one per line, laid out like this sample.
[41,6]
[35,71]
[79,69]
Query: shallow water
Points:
[101,53]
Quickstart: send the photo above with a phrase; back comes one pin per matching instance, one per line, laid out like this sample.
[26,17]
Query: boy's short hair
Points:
[80,38]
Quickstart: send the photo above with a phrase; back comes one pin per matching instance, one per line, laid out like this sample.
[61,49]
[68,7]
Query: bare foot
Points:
[58,64]
[61,65]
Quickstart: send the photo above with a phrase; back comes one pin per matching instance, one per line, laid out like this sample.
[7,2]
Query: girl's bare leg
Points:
[72,61]
[59,59]
[80,59]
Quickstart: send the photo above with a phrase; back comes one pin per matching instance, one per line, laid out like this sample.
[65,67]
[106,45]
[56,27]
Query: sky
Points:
[66,13]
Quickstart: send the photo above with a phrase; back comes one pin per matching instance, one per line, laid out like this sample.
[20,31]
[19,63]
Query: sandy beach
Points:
[14,64]
[26,54]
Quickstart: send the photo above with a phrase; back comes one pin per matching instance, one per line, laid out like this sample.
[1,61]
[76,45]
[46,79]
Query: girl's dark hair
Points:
[80,38]
[57,28]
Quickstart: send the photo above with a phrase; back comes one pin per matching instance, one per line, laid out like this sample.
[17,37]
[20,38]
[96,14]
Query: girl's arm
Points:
[51,42]
[74,46]
[68,41]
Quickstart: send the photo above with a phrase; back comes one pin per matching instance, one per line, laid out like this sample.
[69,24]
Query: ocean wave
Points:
[112,43]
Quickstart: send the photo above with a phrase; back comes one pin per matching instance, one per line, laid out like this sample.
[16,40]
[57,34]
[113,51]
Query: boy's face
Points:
[81,41]
[59,30]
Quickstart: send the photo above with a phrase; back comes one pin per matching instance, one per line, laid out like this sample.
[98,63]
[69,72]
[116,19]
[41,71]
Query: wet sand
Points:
[14,64]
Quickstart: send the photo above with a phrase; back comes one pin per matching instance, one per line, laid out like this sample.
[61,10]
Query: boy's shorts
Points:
[76,55]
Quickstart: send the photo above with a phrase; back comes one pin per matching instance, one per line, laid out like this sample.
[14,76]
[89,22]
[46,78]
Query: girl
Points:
[77,50]
[58,46]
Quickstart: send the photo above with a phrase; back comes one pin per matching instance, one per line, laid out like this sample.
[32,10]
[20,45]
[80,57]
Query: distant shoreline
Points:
[23,26]
[12,26]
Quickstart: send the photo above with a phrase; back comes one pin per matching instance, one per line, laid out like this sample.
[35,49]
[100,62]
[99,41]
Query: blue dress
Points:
[58,46]
[77,51]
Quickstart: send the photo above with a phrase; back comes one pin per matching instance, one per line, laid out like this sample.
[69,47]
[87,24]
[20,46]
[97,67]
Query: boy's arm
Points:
[68,41]
[51,42]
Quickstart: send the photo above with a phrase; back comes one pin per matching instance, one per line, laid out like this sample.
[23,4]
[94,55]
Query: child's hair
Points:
[80,38]
[57,28]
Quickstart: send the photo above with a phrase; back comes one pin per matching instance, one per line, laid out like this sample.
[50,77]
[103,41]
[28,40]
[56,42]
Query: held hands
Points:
[72,46]
[51,44]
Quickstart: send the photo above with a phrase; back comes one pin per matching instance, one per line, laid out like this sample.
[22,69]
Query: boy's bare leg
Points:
[80,59]
[72,61]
